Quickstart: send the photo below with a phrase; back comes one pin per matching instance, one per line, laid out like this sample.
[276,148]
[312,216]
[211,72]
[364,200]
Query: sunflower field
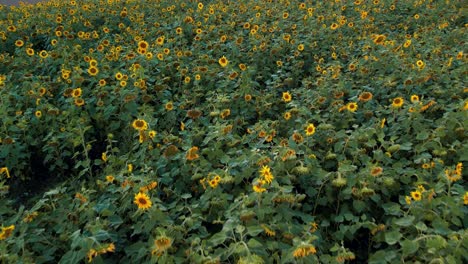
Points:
[153,131]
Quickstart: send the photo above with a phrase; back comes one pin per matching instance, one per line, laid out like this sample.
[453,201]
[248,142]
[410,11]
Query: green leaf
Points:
[253,243]
[217,239]
[421,226]
[254,230]
[392,208]
[359,205]
[441,226]
[115,220]
[436,243]
[392,237]
[409,247]
[422,135]
[405,221]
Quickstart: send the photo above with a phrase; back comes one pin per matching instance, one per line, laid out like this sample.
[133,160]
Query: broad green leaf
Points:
[409,247]
[217,239]
[359,205]
[392,237]
[392,208]
[405,221]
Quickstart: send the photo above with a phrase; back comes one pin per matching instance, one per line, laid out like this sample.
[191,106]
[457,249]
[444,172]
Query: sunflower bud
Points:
[339,182]
[393,148]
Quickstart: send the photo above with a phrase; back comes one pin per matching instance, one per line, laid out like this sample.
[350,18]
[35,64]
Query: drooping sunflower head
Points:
[365,96]
[376,171]
[192,153]
[161,244]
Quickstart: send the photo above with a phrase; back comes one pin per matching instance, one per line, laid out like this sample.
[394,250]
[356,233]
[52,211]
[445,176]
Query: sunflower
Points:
[453,175]
[247,97]
[242,67]
[257,187]
[225,113]
[6,232]
[379,39]
[170,151]
[414,98]
[426,166]
[287,97]
[420,64]
[407,43]
[169,106]
[298,138]
[213,183]
[397,102]
[304,251]
[192,154]
[93,71]
[38,114]
[76,92]
[416,195]
[79,102]
[179,30]
[152,134]
[30,52]
[465,198]
[110,178]
[300,47]
[43,54]
[310,130]
[119,76]
[142,200]
[268,231]
[382,122]
[19,43]
[143,45]
[160,41]
[287,115]
[376,171]
[223,61]
[233,75]
[266,174]
[194,113]
[408,200]
[352,107]
[140,124]
[365,96]
[161,244]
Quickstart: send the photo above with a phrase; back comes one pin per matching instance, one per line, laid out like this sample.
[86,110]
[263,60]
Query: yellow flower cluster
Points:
[266,177]
[456,174]
[213,181]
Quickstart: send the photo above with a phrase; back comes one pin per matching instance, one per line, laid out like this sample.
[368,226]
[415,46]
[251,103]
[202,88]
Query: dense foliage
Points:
[233,132]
